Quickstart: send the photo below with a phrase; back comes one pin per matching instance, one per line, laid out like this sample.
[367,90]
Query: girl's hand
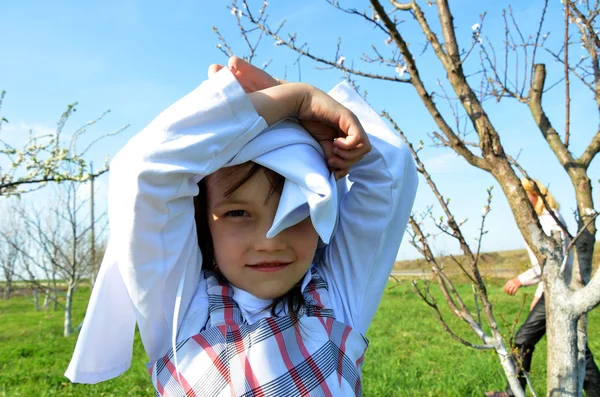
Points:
[336,128]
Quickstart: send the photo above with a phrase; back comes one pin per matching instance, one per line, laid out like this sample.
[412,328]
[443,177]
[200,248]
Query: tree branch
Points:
[455,142]
[587,298]
[591,151]
[542,121]
[451,44]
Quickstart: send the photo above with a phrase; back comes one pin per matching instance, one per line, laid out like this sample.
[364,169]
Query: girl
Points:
[278,298]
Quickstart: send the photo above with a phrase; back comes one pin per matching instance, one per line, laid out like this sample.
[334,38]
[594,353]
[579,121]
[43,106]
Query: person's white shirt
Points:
[153,241]
[534,275]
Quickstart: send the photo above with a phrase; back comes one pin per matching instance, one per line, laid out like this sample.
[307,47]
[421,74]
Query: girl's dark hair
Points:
[236,177]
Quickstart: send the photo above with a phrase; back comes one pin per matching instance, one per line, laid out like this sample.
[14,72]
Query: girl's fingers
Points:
[214,68]
[356,139]
[352,154]
[250,75]
[340,163]
[339,174]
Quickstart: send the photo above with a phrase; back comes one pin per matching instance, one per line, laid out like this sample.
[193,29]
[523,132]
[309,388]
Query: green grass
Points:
[409,353]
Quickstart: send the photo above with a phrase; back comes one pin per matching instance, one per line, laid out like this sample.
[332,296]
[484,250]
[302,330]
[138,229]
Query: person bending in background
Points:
[534,327]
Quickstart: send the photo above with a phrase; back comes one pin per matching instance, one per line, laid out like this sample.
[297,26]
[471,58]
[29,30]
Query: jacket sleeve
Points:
[373,216]
[534,275]
[153,241]
[539,291]
[531,276]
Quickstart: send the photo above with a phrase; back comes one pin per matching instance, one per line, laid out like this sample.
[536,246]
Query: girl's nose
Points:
[276,243]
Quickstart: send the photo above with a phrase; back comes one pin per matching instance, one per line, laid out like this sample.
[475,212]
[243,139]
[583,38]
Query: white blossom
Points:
[401,70]
[476,26]
[279,42]
[341,60]
[233,11]
[485,210]
[239,12]
[420,145]
[388,41]
[218,45]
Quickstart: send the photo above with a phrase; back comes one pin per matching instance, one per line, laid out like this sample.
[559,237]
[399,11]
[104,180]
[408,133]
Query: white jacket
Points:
[534,275]
[151,271]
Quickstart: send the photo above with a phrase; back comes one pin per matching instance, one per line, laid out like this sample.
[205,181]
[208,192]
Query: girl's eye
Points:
[236,213]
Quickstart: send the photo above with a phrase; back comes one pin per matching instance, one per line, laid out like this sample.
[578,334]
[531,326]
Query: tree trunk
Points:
[68,327]
[562,377]
[509,369]
[69,301]
[36,300]
[582,341]
[7,289]
[55,291]
[47,298]
[561,331]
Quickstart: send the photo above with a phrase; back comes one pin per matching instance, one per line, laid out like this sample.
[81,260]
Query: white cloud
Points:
[446,163]
[23,128]
[305,12]
[17,134]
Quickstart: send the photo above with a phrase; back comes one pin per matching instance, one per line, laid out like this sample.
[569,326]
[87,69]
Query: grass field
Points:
[409,353]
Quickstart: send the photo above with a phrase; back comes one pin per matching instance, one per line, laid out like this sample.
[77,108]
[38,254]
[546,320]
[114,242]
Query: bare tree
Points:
[469,266]
[60,246]
[8,260]
[11,230]
[474,81]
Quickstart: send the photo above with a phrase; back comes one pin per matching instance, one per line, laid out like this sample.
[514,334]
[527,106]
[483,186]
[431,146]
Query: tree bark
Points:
[509,369]
[68,304]
[36,300]
[7,289]
[562,376]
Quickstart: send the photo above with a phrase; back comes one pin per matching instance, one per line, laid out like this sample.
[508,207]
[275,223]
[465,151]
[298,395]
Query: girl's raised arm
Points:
[373,216]
[152,234]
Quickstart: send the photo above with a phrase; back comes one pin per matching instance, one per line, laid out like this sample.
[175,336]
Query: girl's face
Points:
[267,268]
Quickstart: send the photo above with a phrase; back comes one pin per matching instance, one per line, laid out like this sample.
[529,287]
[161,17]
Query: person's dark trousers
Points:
[529,335]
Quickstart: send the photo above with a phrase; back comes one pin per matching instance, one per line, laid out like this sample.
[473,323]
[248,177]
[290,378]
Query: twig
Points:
[567,90]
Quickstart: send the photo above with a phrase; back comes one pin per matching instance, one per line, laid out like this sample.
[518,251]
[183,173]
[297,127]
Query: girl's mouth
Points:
[269,266]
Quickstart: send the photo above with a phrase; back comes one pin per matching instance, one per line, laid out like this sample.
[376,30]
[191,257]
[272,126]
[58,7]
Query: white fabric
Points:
[534,275]
[153,239]
[264,353]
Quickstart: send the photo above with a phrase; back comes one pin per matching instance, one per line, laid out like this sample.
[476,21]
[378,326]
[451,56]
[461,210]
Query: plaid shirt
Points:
[276,356]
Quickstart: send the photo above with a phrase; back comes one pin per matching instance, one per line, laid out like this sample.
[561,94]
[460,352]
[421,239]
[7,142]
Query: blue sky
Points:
[137,57]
